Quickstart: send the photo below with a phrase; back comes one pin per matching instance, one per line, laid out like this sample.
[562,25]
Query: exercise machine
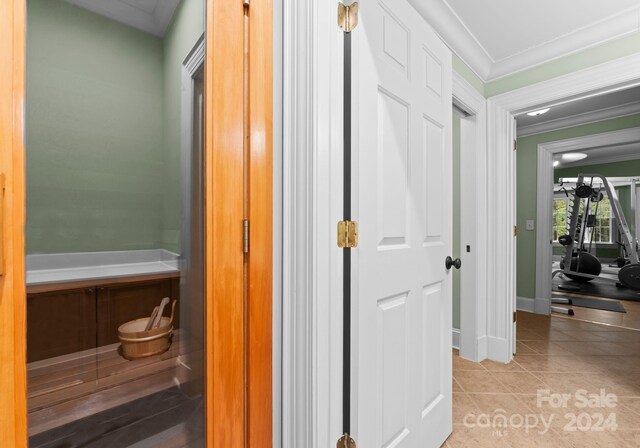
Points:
[578,263]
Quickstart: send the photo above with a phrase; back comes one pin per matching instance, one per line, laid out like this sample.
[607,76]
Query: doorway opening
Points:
[597,135]
[114,235]
[469,222]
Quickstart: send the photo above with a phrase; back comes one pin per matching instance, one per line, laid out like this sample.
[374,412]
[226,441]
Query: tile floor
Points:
[561,356]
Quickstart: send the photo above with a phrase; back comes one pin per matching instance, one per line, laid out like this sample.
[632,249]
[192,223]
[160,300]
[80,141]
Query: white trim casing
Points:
[544,245]
[312,205]
[501,243]
[615,75]
[611,76]
[473,220]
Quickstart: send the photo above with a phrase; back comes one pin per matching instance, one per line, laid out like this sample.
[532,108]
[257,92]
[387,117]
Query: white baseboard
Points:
[455,338]
[482,348]
[542,306]
[525,304]
[528,304]
[498,349]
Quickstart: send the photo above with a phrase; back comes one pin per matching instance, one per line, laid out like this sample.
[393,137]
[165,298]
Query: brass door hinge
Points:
[346,442]
[245,236]
[347,234]
[348,16]
[515,230]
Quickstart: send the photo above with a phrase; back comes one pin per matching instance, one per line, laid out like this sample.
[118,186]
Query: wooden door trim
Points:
[224,259]
[260,198]
[13,383]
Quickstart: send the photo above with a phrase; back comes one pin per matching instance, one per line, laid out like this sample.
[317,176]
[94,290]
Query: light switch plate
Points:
[530,224]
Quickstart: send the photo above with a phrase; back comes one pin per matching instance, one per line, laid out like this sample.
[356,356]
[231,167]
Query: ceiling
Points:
[606,154]
[500,37]
[150,16]
[588,110]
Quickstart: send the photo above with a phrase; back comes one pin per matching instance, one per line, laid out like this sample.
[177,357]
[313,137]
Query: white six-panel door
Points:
[403,203]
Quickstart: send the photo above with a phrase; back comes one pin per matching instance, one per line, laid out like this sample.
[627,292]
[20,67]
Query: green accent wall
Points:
[94,132]
[460,67]
[181,37]
[456,217]
[526,161]
[103,129]
[589,57]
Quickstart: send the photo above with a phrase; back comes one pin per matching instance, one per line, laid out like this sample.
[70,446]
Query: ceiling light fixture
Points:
[556,163]
[573,156]
[536,113]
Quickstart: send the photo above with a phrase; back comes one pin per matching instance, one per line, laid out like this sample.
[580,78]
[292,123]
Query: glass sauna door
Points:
[115,223]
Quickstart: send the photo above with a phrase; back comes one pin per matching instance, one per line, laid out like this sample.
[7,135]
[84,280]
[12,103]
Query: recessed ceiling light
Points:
[573,156]
[535,113]
[556,162]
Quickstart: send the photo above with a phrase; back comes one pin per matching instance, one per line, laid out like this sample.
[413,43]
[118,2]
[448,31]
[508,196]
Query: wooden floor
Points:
[555,355]
[70,387]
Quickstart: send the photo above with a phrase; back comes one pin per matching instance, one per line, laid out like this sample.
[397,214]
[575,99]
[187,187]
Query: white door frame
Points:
[617,74]
[312,87]
[473,225]
[545,178]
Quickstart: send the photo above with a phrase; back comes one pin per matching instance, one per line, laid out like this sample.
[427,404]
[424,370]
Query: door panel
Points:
[404,208]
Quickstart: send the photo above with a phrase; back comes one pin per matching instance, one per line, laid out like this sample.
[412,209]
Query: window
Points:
[559,218]
[602,228]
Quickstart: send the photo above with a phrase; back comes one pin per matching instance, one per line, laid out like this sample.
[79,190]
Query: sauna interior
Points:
[114,141]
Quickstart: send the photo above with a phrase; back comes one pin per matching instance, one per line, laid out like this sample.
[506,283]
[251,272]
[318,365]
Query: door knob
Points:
[450,262]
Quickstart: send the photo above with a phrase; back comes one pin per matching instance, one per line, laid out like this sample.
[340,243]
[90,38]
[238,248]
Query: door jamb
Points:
[473,200]
[620,73]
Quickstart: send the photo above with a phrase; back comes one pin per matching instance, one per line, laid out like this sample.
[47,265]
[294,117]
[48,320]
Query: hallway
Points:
[555,356]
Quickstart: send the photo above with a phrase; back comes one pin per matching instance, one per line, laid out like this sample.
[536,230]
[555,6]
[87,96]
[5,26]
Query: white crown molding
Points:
[613,138]
[464,44]
[610,76]
[608,29]
[154,23]
[622,110]
[455,35]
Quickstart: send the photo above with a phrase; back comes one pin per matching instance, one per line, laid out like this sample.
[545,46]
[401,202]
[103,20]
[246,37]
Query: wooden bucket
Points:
[137,343]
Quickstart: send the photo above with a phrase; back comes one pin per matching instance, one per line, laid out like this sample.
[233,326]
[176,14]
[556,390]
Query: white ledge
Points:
[60,268]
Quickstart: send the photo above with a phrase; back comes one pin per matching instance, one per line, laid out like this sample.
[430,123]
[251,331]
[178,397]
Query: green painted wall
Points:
[526,161]
[181,37]
[94,132]
[103,129]
[456,217]
[463,70]
[599,54]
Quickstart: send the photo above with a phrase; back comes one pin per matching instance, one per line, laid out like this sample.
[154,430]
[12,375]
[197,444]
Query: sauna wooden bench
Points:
[73,316]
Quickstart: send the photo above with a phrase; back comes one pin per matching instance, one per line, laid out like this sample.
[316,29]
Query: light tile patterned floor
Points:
[561,356]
